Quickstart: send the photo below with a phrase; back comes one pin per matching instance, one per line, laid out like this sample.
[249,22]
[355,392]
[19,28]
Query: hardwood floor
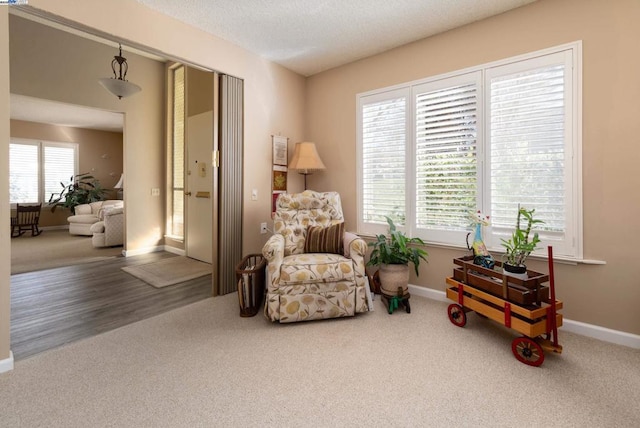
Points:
[53,307]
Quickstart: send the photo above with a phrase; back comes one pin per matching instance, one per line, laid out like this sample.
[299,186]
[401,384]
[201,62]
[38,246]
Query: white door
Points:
[199,189]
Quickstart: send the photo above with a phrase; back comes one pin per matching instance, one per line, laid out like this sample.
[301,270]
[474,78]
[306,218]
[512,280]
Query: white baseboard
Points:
[577,327]
[149,250]
[7,364]
[61,227]
[140,251]
[175,250]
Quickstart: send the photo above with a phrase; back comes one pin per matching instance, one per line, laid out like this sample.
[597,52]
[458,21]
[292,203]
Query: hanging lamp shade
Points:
[118,84]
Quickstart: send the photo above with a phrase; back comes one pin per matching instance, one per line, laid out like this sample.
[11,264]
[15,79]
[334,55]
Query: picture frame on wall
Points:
[279,169]
[279,183]
[280,155]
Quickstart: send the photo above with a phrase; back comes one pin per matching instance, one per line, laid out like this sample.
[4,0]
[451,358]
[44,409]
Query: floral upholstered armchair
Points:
[315,269]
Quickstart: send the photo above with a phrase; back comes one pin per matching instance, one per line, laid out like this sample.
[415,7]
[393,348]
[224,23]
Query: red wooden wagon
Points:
[522,305]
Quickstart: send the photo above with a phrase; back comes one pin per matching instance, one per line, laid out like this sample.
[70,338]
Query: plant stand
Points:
[393,302]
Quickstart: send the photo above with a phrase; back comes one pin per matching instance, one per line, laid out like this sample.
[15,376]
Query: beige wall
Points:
[199,91]
[608,295]
[274,103]
[99,153]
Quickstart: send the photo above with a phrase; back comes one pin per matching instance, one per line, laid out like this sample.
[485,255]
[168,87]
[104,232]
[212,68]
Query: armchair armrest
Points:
[354,245]
[113,227]
[273,251]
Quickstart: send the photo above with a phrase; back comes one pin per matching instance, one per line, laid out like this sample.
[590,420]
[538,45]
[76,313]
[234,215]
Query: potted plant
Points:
[82,189]
[392,255]
[518,247]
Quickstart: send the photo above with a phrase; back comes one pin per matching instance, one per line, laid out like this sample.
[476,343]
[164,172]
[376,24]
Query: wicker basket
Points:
[250,278]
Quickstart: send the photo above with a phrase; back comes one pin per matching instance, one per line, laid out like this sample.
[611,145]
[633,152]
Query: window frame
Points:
[41,145]
[573,148]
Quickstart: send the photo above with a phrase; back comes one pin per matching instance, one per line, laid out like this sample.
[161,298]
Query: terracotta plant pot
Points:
[392,277]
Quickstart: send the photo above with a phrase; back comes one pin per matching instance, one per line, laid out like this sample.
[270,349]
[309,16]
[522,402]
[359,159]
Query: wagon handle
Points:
[552,289]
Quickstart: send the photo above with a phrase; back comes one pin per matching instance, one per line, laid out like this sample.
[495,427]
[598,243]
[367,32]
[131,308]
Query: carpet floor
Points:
[204,365]
[55,248]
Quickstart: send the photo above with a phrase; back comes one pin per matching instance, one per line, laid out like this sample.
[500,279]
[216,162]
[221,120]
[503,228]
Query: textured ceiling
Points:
[310,36]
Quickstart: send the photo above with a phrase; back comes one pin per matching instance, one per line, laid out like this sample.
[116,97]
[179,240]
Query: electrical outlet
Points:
[155,192]
[263,228]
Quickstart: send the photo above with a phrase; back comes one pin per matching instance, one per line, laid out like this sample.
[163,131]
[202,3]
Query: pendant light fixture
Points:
[118,84]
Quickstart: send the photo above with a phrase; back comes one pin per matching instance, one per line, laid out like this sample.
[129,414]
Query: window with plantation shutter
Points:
[487,138]
[178,109]
[529,119]
[59,167]
[383,158]
[446,154]
[23,173]
[36,169]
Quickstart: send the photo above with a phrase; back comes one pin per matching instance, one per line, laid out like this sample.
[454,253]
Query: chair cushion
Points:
[325,239]
[313,268]
[83,218]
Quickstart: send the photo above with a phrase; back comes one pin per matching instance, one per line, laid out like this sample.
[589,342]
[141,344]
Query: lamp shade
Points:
[120,182]
[306,158]
[118,85]
[119,88]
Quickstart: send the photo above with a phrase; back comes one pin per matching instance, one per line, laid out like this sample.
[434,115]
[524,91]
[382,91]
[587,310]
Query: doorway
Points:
[50,143]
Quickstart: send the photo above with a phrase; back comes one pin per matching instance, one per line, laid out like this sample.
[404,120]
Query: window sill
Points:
[497,253]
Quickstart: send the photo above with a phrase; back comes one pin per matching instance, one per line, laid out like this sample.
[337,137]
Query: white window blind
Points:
[23,173]
[446,154]
[384,129]
[59,167]
[489,137]
[178,149]
[38,167]
[530,157]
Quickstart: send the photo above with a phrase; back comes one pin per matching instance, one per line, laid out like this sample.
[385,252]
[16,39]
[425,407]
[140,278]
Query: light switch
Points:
[254,195]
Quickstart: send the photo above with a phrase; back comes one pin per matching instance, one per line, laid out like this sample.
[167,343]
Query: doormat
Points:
[169,271]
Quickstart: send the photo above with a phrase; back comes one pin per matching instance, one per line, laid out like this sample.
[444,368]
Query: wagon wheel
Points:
[527,351]
[457,315]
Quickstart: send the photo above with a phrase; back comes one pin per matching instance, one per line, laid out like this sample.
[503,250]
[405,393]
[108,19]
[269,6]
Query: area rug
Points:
[169,271]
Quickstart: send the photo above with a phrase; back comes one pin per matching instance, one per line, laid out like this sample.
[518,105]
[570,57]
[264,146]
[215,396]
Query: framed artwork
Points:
[279,169]
[279,182]
[274,198]
[280,155]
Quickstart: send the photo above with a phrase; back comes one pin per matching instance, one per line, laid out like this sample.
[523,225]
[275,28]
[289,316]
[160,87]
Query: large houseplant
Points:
[392,254]
[82,189]
[518,247]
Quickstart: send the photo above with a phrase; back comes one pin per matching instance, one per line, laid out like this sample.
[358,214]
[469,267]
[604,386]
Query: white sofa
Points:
[109,232]
[88,214]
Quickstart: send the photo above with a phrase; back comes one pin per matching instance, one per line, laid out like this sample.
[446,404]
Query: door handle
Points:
[187,193]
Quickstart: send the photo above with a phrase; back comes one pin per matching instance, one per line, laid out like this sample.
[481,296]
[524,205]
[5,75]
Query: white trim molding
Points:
[6,365]
[577,327]
[146,250]
[174,250]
